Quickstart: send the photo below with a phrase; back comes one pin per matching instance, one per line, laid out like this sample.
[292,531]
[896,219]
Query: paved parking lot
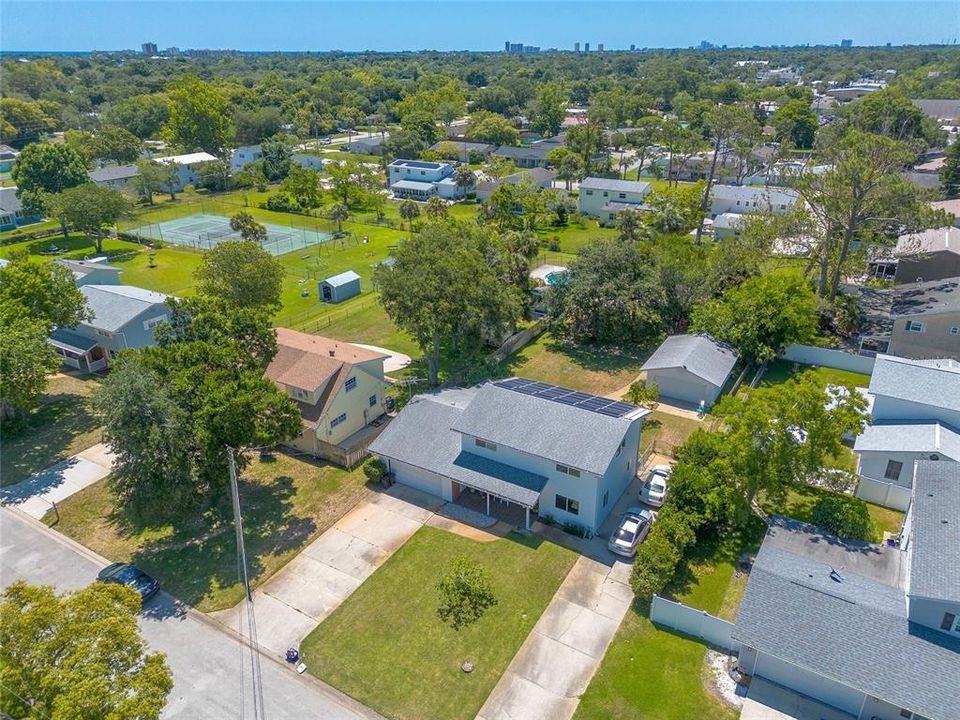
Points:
[299,597]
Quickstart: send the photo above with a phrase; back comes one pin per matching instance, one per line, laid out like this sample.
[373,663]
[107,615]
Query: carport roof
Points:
[421,436]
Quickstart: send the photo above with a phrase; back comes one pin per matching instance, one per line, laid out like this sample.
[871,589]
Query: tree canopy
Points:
[242,273]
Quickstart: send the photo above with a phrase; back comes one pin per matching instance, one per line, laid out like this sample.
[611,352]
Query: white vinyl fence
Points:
[693,622]
[883,493]
[810,355]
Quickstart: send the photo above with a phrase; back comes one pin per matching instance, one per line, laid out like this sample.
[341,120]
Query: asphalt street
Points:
[209,667]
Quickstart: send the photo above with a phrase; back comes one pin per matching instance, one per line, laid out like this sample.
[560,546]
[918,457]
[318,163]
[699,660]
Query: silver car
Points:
[654,488]
[630,531]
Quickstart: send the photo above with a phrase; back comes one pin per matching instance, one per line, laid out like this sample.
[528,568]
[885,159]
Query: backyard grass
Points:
[654,674]
[60,427]
[386,647]
[76,246]
[665,431]
[799,503]
[594,370]
[781,370]
[287,502]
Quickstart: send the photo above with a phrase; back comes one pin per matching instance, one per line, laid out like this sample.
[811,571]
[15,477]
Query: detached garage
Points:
[690,369]
[340,287]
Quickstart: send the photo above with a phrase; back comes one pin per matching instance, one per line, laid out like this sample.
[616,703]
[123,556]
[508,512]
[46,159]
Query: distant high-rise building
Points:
[576,47]
[172,51]
[846,43]
[506,46]
[149,49]
[600,47]
[632,47]
[586,47]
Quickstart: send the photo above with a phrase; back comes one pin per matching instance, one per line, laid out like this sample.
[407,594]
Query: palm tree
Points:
[436,208]
[339,213]
[408,211]
[465,178]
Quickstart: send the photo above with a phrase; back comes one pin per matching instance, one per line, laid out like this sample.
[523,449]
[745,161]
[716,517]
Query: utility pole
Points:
[256,678]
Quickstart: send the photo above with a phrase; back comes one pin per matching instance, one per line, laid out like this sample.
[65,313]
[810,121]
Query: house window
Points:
[373,400]
[299,394]
[566,470]
[782,206]
[342,417]
[492,447]
[623,196]
[906,714]
[950,622]
[606,194]
[893,470]
[153,322]
[606,497]
[567,504]
[955,330]
[350,384]
[914,326]
[104,333]
[589,192]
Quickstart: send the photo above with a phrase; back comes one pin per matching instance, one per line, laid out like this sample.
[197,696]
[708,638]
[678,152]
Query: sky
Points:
[265,25]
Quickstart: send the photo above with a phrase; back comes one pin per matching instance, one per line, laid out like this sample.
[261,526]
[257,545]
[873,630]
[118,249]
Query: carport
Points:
[494,488]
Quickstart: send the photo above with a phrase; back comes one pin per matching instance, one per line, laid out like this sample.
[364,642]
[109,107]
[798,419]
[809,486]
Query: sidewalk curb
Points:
[57,536]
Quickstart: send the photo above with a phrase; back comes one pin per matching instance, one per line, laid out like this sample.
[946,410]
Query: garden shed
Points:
[340,287]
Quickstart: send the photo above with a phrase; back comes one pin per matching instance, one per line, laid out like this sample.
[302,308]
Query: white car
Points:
[630,531]
[654,488]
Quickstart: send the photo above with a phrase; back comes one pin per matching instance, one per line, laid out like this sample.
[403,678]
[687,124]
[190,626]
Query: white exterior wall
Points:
[405,172]
[740,201]
[314,162]
[355,403]
[873,464]
[421,479]
[809,683]
[930,612]
[679,384]
[894,409]
[590,201]
[243,156]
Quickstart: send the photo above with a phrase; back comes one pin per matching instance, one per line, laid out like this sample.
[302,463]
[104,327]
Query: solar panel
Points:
[565,396]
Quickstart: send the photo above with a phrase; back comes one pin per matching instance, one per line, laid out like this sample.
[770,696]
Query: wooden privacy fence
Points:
[695,623]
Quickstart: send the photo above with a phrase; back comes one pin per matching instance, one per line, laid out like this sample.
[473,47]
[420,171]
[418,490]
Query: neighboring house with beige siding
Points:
[338,387]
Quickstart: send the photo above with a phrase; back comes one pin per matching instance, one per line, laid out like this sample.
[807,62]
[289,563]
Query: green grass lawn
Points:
[595,370]
[60,427]
[781,370]
[287,502]
[666,431]
[76,246]
[386,647]
[654,674]
[800,501]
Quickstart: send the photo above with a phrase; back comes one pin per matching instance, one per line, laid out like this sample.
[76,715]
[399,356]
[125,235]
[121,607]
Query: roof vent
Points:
[835,575]
[333,353]
[945,521]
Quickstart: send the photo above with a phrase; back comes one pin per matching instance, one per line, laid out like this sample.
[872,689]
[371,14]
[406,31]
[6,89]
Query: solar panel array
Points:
[566,396]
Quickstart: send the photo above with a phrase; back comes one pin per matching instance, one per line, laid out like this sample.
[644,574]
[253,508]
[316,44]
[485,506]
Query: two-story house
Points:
[243,156]
[338,387]
[916,416]
[867,630]
[518,445]
[604,199]
[421,180]
[124,317]
[740,199]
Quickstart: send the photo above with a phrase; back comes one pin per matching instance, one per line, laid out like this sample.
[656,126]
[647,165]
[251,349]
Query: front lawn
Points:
[386,647]
[598,370]
[286,503]
[60,427]
[654,674]
[799,503]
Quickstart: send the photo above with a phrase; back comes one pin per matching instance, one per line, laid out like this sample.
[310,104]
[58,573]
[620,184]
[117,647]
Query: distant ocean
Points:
[268,25]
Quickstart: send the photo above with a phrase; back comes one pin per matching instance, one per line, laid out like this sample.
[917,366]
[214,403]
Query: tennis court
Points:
[205,231]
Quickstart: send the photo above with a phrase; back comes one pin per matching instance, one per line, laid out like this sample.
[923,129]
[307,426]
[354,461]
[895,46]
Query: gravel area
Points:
[718,667]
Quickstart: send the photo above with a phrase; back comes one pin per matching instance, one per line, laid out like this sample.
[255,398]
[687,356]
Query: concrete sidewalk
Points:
[557,660]
[36,495]
[312,585]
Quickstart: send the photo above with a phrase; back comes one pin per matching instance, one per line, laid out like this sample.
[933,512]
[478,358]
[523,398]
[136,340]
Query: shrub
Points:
[576,530]
[843,516]
[553,243]
[282,202]
[374,469]
[465,593]
[654,566]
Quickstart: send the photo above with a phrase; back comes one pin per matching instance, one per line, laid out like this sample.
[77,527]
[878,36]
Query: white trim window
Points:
[153,322]
[915,326]
[955,330]
[341,418]
[567,470]
[486,444]
[567,504]
[350,384]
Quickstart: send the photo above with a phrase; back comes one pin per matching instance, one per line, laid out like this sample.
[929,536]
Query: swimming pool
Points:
[558,277]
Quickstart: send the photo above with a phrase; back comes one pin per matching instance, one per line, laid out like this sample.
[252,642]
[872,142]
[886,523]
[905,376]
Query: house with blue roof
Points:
[516,446]
[124,317]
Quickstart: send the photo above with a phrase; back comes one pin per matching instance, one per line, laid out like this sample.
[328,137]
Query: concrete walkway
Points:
[395,360]
[312,585]
[553,668]
[769,701]
[36,495]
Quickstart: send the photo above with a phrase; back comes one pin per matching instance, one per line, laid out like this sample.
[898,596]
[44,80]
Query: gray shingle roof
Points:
[421,436]
[9,202]
[910,438]
[930,241]
[939,109]
[612,185]
[525,152]
[114,306]
[565,434]
[935,533]
[927,382]
[700,355]
[925,297]
[81,268]
[764,196]
[854,632]
[71,341]
[114,172]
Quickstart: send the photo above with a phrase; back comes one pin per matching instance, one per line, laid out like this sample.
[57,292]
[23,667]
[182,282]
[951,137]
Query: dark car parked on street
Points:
[131,576]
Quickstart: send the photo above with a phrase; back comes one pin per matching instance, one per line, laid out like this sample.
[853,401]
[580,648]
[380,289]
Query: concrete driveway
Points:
[36,495]
[298,598]
[553,668]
